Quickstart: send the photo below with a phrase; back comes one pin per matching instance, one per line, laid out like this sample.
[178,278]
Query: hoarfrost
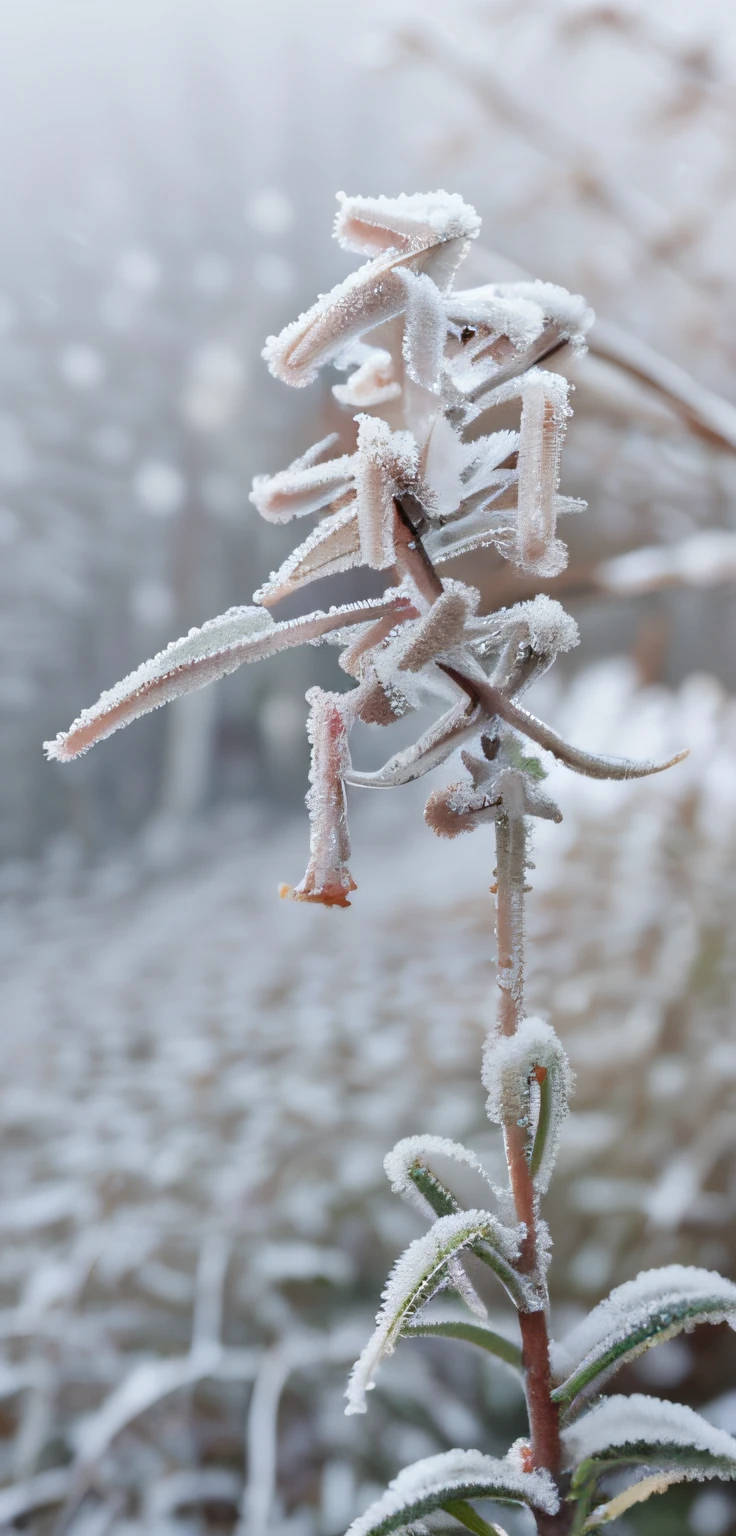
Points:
[510,1064]
[639,1422]
[407,222]
[219,647]
[301,489]
[428,1484]
[654,1307]
[374,381]
[413,1152]
[544,413]
[333,546]
[425,329]
[418,1275]
[327,879]
[386,460]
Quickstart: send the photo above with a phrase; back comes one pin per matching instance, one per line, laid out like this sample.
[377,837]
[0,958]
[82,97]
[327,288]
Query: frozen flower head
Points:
[430,475]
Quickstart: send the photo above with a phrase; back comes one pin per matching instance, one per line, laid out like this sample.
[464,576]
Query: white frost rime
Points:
[618,1422]
[413,481]
[511,1063]
[654,1307]
[416,1277]
[453,1475]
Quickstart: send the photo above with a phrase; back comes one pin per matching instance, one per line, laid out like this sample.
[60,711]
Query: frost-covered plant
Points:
[424,483]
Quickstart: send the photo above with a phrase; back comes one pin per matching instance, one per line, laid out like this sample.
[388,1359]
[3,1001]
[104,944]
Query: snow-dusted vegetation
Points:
[448,361]
[200,1084]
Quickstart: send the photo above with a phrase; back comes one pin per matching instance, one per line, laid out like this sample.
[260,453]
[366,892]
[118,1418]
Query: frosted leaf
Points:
[362,649]
[366,298]
[490,452]
[333,546]
[548,628]
[496,310]
[544,413]
[405,223]
[464,806]
[449,1477]
[301,489]
[570,312]
[427,232]
[441,628]
[654,1307]
[636,1493]
[432,748]
[425,329]
[446,460]
[420,1272]
[327,879]
[649,1431]
[219,647]
[580,761]
[372,384]
[386,461]
[510,1064]
[478,528]
[527,637]
[513,326]
[409,1175]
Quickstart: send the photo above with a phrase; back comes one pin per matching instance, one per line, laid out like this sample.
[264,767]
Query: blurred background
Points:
[200,1082]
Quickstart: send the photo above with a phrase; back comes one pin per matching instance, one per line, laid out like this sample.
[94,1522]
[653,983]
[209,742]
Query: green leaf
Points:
[470,1518]
[436,1193]
[655,1307]
[448,1482]
[471,1333]
[422,1271]
[543,1126]
[667,1441]
[636,1493]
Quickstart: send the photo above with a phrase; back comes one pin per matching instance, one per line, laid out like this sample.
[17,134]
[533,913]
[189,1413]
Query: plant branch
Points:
[510,890]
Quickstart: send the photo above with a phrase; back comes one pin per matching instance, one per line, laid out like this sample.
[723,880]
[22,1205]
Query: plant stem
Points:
[511,864]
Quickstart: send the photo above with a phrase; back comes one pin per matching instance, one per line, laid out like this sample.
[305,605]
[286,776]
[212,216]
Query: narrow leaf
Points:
[511,1063]
[654,1307]
[471,1333]
[407,1168]
[454,1476]
[204,655]
[641,1431]
[636,1493]
[332,547]
[422,1271]
[587,763]
[469,1517]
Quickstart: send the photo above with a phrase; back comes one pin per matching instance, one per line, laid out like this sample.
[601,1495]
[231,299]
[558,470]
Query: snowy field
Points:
[200,1083]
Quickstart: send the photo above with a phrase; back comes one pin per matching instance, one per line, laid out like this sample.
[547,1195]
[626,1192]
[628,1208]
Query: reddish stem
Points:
[543,1413]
